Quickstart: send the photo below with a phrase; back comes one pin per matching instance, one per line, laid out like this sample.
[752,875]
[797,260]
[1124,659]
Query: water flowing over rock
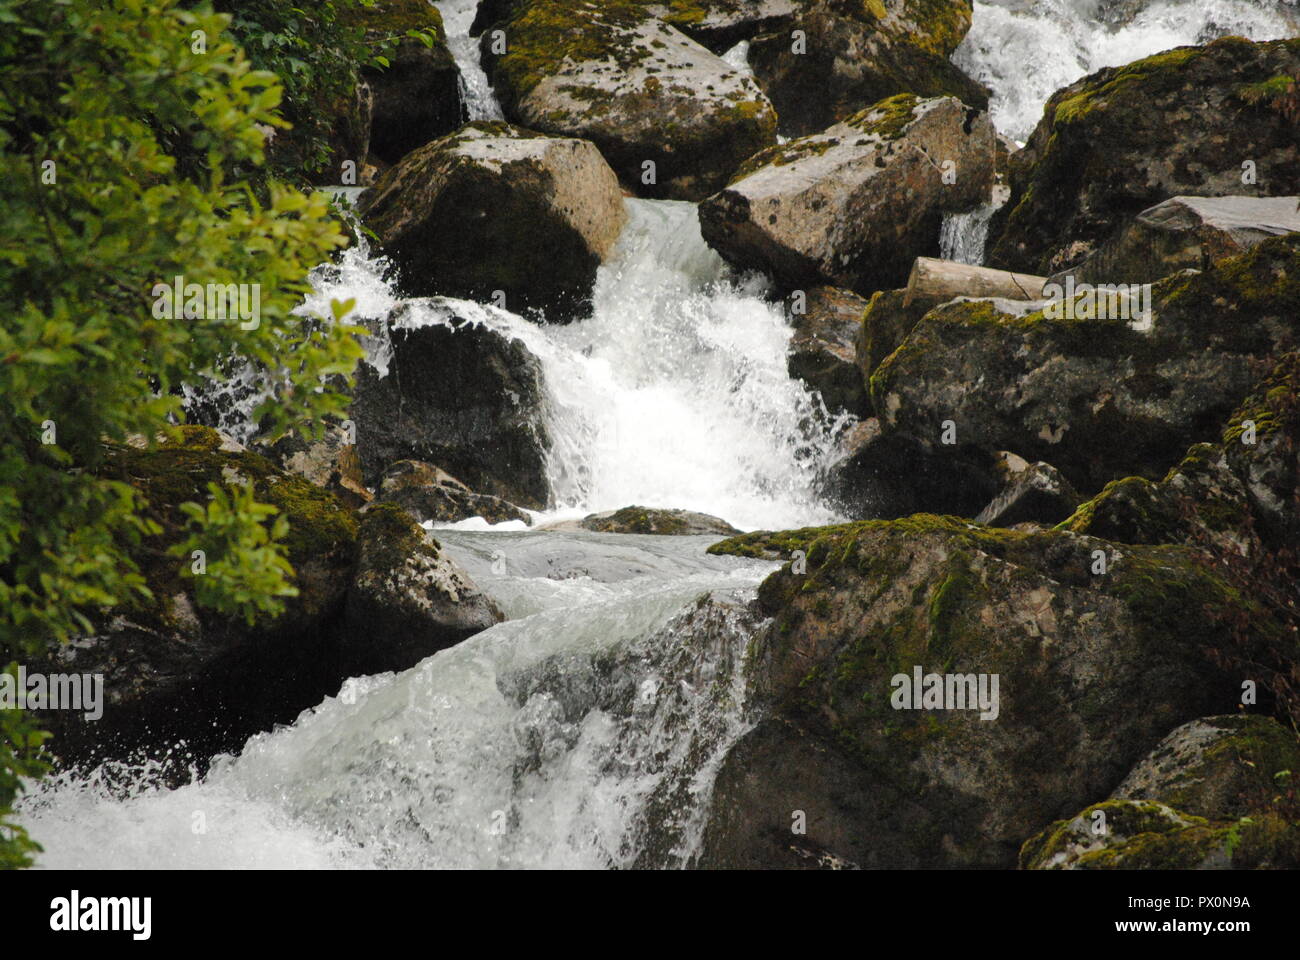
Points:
[854,206]
[672,118]
[1121,140]
[494,212]
[458,394]
[838,56]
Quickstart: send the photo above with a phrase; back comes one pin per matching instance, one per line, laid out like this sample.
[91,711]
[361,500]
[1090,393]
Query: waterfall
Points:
[1027,51]
[475,91]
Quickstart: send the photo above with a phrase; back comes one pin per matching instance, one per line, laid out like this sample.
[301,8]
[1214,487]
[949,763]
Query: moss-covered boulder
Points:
[1045,675]
[432,495]
[407,599]
[330,461]
[1217,793]
[1117,142]
[823,350]
[853,206]
[1239,495]
[175,671]
[651,521]
[837,56]
[886,322]
[673,119]
[1099,398]
[417,96]
[460,394]
[497,208]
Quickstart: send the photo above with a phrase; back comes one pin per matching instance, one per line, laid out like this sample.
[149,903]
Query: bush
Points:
[127,128]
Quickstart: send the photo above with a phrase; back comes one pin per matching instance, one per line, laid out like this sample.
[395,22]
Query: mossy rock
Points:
[1074,649]
[1179,117]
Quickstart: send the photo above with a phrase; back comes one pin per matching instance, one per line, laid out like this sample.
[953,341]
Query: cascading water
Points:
[475,91]
[587,729]
[1025,51]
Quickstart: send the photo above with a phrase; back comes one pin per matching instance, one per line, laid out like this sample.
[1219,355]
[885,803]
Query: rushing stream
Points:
[586,730]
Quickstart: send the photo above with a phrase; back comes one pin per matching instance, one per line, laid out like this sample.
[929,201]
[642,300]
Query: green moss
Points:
[888,119]
[1078,106]
[393,17]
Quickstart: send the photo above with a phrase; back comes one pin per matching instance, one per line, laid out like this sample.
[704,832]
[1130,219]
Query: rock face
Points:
[639,89]
[417,96]
[957,782]
[847,55]
[1062,390]
[407,600]
[1207,797]
[458,394]
[496,208]
[1186,233]
[1117,142]
[888,319]
[823,349]
[1034,493]
[176,672]
[432,495]
[648,520]
[720,24]
[854,206]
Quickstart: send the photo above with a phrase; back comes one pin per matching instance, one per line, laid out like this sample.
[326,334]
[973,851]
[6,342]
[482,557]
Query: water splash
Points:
[475,91]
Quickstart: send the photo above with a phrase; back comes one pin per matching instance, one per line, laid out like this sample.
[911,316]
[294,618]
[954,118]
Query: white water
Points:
[475,91]
[1026,51]
[586,730]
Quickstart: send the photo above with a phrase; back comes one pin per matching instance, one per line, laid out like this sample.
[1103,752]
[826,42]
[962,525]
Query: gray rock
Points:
[1034,493]
[648,520]
[855,205]
[639,89]
[460,395]
[823,349]
[1186,233]
[496,208]
[432,495]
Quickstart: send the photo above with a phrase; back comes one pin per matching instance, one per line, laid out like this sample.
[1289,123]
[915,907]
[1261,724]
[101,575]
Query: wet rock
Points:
[639,89]
[330,462]
[458,394]
[823,349]
[431,495]
[888,319]
[494,208]
[849,55]
[649,520]
[1115,143]
[407,599]
[854,206]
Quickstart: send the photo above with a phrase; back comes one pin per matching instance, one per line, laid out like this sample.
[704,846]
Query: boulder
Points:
[854,206]
[1211,795]
[721,24]
[496,208]
[1114,143]
[639,89]
[1063,390]
[887,321]
[460,394]
[1034,493]
[649,520]
[431,495]
[848,54]
[330,462]
[823,349]
[1092,669]
[417,96]
[175,671]
[407,599]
